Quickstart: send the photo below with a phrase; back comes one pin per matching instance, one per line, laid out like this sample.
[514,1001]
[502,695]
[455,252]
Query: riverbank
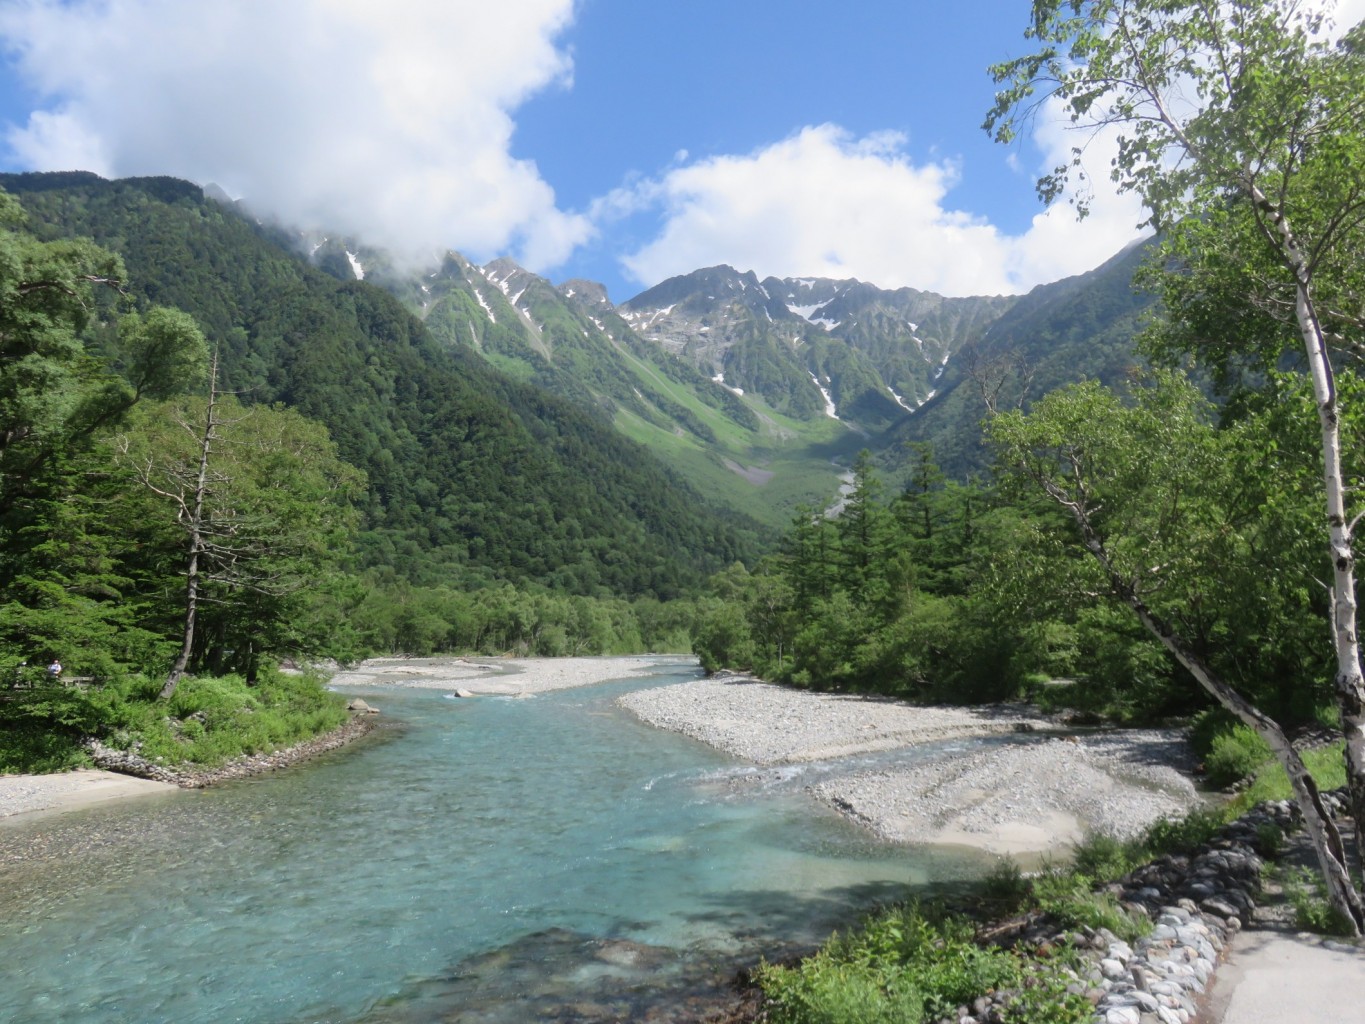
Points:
[1034,797]
[490,676]
[119,775]
[71,791]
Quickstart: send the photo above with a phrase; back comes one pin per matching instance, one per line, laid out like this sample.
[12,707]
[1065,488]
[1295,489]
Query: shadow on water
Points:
[563,975]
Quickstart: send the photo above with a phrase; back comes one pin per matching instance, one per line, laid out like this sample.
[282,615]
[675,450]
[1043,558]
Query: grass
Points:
[1269,781]
[910,964]
[209,720]
[1308,896]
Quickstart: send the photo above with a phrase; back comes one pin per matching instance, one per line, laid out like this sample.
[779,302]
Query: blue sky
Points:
[618,140]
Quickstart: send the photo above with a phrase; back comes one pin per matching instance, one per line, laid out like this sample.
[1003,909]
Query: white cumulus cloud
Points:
[823,203]
[390,121]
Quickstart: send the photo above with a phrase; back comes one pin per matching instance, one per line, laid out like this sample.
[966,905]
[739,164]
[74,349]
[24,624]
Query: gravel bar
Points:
[1032,794]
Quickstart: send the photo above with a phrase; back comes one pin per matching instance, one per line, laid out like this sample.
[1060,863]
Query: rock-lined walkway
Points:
[1199,906]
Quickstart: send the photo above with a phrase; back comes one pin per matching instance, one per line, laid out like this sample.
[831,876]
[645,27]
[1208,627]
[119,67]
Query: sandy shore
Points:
[1032,792]
[71,791]
[489,676]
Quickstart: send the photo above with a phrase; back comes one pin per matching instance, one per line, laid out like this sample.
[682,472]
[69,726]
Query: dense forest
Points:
[215,458]
[472,477]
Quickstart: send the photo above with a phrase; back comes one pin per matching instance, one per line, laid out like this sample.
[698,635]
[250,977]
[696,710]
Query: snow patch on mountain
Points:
[486,308]
[830,409]
[720,379]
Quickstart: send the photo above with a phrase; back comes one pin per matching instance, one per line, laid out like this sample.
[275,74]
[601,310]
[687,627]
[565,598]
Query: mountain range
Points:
[761,391]
[514,428]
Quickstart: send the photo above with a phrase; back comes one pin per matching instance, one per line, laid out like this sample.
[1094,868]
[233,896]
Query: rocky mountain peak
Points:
[587,293]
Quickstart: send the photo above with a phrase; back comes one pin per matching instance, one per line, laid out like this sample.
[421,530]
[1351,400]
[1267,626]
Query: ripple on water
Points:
[500,860]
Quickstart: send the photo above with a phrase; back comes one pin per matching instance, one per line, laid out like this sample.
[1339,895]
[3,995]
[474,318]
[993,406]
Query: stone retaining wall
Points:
[1197,903]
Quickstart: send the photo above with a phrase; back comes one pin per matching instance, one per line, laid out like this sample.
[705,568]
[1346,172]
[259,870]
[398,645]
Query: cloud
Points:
[823,203]
[388,121]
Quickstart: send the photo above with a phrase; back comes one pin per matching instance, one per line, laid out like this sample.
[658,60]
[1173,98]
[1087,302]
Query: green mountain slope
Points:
[1078,328]
[473,475]
[747,388]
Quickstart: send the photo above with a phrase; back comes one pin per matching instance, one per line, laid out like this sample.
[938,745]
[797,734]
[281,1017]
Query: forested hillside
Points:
[472,476]
[1081,328]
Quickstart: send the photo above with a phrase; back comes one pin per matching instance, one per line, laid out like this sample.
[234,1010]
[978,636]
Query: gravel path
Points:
[1028,793]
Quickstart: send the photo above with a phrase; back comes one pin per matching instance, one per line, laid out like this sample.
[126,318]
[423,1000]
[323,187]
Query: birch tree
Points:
[1173,514]
[1239,109]
[261,503]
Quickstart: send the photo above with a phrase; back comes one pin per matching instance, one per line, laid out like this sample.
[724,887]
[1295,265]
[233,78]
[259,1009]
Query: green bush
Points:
[1070,898]
[904,964]
[210,720]
[1235,754]
[38,749]
[823,991]
[1005,889]
[1307,894]
[1180,835]
[1103,857]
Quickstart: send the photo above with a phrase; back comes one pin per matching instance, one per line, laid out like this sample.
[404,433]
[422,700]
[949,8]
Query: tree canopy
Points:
[1239,123]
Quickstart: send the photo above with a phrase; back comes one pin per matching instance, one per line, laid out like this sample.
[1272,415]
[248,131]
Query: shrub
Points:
[904,964]
[823,991]
[210,720]
[1005,890]
[1312,912]
[1235,754]
[1069,897]
[1102,857]
[1180,835]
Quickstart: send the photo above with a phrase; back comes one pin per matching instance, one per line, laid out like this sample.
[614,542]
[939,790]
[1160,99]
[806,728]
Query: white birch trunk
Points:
[195,528]
[1326,839]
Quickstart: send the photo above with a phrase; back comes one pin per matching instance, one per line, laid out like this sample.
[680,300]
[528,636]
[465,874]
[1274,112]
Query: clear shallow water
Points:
[496,860]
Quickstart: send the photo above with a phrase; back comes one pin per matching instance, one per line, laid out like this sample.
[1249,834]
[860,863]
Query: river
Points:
[491,860]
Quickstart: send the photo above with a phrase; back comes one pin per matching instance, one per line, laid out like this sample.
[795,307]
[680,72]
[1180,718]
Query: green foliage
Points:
[1181,835]
[947,593]
[392,616]
[1312,911]
[474,478]
[829,992]
[42,724]
[1192,526]
[210,720]
[903,964]
[1005,889]
[1235,755]
[1069,896]
[911,964]
[1101,857]
[1327,765]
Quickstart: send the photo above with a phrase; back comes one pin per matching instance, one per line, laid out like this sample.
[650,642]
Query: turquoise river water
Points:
[491,860]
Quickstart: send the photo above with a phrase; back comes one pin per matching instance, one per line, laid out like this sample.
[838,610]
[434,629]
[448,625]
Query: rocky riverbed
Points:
[1035,790]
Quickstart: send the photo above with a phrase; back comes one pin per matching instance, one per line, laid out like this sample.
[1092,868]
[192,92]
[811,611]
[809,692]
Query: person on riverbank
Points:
[54,671]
